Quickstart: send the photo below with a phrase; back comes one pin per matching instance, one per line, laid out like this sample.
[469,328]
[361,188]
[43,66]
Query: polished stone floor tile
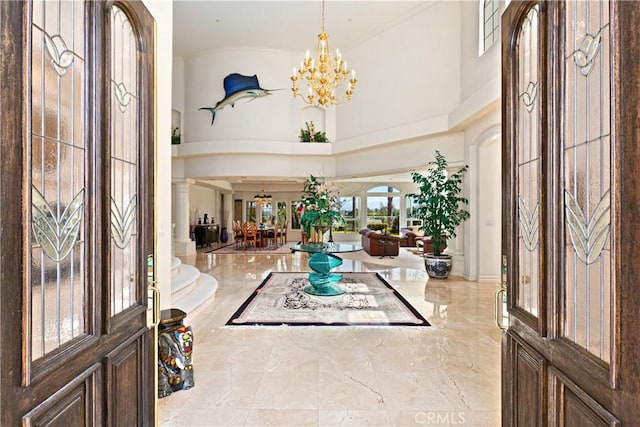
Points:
[446,374]
[287,390]
[282,418]
[343,390]
[353,418]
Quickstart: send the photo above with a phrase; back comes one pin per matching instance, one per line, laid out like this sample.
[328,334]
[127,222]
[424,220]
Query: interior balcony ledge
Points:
[205,148]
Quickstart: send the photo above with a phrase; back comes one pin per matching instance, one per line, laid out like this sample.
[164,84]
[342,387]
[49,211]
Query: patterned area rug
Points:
[368,300]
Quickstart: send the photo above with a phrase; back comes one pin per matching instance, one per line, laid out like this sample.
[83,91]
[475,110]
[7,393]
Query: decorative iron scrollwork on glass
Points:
[588,237]
[584,57]
[122,222]
[529,225]
[61,56]
[56,235]
[529,96]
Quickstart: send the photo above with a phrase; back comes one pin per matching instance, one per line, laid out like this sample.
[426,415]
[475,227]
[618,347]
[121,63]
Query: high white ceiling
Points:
[201,25]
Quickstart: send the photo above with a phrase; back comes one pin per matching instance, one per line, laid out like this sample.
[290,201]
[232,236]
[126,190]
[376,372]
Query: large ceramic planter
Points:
[438,267]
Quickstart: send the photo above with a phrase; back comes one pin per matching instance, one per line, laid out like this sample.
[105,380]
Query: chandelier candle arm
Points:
[323,76]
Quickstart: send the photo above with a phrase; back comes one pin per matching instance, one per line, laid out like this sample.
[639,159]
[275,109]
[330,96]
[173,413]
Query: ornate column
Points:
[183,243]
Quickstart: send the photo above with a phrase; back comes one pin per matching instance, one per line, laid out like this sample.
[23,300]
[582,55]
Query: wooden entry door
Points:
[571,156]
[76,213]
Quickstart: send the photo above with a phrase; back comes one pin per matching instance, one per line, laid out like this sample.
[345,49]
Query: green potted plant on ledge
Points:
[441,210]
[311,135]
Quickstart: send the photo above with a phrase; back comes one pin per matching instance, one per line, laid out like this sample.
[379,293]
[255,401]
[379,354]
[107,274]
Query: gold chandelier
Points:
[323,75]
[262,198]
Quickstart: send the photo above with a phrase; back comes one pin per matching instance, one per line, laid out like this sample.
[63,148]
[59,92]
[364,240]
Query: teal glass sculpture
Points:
[322,280]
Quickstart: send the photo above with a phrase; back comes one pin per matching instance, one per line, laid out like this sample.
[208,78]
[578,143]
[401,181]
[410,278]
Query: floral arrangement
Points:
[319,205]
[310,135]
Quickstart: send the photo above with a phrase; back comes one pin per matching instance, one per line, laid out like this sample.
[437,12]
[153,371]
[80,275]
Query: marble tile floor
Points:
[444,375]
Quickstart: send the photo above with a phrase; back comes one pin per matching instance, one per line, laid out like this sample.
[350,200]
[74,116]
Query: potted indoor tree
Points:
[441,209]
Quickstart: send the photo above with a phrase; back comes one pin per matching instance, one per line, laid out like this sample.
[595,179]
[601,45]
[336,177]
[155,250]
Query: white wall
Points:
[270,118]
[202,200]
[490,210]
[409,81]
[407,74]
[177,96]
[483,187]
[273,165]
[476,71]
[162,12]
[401,157]
[479,113]
[177,85]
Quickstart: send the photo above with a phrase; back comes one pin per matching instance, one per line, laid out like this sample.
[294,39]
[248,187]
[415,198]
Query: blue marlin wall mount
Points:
[236,87]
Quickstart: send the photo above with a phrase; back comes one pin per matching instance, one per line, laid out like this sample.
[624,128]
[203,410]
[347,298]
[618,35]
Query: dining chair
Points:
[250,234]
[270,237]
[283,233]
[238,237]
[279,227]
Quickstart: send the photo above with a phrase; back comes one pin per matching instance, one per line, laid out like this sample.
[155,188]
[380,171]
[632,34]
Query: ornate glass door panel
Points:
[528,136]
[124,134]
[58,256]
[587,177]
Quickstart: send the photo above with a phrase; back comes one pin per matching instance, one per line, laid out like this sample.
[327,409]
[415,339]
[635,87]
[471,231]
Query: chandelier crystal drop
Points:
[324,75]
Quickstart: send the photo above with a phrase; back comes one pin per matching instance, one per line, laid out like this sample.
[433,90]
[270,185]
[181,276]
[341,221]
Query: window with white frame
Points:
[350,214]
[383,206]
[489,23]
[410,213]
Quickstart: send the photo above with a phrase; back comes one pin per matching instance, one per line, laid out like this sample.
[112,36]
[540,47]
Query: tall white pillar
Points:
[184,246]
[227,211]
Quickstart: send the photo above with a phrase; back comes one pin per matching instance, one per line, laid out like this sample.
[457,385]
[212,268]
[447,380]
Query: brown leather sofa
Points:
[378,244]
[408,237]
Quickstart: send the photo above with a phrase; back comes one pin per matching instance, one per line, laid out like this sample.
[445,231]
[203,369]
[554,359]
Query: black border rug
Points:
[368,301]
